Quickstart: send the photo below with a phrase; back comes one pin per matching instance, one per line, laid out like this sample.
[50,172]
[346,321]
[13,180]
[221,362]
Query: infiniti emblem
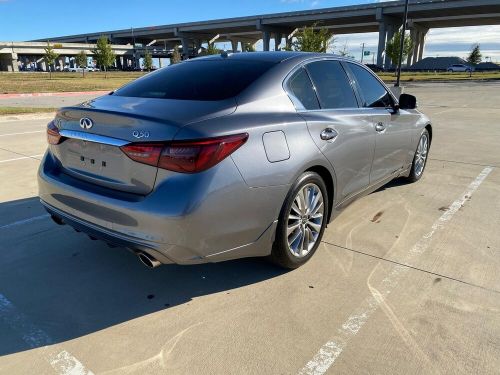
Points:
[86,123]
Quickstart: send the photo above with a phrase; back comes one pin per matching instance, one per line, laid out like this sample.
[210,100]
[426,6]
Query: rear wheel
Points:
[302,222]
[420,158]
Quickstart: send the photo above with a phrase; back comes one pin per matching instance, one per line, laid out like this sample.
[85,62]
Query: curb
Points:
[38,94]
[27,116]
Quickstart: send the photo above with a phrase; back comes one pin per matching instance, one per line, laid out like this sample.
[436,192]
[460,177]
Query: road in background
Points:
[67,302]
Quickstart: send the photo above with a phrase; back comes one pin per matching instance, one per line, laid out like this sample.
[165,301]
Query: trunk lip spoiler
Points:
[91,137]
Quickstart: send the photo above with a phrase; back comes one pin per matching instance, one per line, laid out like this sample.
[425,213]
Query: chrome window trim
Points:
[396,100]
[90,137]
[296,102]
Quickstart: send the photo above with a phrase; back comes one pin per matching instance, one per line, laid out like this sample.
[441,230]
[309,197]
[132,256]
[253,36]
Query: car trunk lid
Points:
[94,132]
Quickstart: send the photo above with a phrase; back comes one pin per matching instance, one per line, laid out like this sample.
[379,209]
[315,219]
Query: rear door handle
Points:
[380,127]
[328,134]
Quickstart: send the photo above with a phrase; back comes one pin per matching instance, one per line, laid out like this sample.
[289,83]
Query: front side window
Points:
[332,85]
[373,92]
[300,86]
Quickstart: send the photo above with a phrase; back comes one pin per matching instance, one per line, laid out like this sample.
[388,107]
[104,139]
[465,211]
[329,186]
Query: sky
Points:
[35,19]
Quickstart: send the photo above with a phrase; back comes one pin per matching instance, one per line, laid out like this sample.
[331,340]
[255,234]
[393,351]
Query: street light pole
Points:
[402,43]
[362,52]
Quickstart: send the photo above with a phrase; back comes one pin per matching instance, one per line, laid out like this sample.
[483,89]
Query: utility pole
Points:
[402,43]
[362,51]
[133,41]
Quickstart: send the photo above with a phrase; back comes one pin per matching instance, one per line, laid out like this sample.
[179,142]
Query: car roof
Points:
[271,56]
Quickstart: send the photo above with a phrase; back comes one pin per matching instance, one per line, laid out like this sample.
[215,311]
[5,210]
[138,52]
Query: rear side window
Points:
[373,92]
[332,85]
[301,87]
[205,80]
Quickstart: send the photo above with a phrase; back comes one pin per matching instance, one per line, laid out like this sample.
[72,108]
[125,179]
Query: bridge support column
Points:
[416,42]
[277,40]
[421,44]
[234,45]
[413,38]
[119,63]
[391,30]
[9,62]
[185,48]
[266,38]
[60,63]
[382,35]
[418,35]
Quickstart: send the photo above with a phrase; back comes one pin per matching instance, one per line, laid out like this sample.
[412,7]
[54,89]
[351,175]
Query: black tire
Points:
[281,253]
[414,173]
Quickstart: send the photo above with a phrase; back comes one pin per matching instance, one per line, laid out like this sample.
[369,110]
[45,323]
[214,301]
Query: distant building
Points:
[442,64]
[436,63]
[487,66]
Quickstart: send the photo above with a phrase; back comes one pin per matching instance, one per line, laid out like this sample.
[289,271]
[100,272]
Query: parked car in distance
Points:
[76,69]
[459,68]
[82,68]
[230,156]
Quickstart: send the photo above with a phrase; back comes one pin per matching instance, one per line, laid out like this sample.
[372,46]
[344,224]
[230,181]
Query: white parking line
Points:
[328,353]
[25,221]
[36,131]
[22,158]
[61,361]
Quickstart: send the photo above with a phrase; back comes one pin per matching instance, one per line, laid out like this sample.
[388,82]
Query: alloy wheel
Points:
[421,154]
[305,220]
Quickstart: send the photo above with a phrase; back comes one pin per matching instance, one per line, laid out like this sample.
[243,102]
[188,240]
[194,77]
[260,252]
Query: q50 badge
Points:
[140,134]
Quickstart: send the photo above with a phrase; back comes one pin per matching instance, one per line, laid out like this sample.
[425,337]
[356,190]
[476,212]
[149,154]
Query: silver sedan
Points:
[229,156]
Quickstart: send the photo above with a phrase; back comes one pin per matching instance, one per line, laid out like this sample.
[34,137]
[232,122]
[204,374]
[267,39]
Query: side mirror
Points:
[407,101]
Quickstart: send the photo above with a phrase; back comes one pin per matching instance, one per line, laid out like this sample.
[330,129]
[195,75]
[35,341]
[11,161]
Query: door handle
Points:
[328,134]
[380,127]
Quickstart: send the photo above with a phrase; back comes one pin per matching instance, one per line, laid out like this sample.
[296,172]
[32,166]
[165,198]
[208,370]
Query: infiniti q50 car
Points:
[230,156]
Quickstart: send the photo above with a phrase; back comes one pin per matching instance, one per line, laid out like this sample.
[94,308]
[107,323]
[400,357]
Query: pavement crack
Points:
[20,154]
[413,267]
[465,162]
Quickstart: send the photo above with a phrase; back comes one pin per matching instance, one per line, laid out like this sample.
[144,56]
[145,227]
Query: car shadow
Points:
[68,286]
[397,182]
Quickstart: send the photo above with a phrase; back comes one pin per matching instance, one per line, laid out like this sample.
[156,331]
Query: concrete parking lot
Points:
[406,281]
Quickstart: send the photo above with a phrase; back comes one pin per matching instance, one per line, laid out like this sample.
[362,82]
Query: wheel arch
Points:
[429,129]
[327,177]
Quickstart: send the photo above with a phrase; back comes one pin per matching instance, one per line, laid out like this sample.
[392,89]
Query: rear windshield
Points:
[198,80]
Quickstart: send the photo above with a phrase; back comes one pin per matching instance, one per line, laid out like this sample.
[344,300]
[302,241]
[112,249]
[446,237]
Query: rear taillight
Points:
[186,156]
[143,153]
[53,136]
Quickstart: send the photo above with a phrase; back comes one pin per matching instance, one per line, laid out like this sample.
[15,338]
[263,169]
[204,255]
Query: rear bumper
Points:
[207,217]
[99,233]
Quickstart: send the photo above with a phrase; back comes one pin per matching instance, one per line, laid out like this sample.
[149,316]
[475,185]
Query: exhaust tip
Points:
[148,260]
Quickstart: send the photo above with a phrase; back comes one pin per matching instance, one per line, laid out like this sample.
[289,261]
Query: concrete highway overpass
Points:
[384,18]
[13,53]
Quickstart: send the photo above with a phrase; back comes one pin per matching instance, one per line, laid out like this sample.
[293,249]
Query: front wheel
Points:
[302,222]
[420,158]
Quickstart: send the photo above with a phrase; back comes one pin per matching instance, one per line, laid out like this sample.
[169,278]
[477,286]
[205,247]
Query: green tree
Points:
[313,39]
[393,47]
[148,61]
[81,61]
[103,54]
[248,47]
[50,57]
[475,55]
[176,56]
[344,51]
[211,49]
